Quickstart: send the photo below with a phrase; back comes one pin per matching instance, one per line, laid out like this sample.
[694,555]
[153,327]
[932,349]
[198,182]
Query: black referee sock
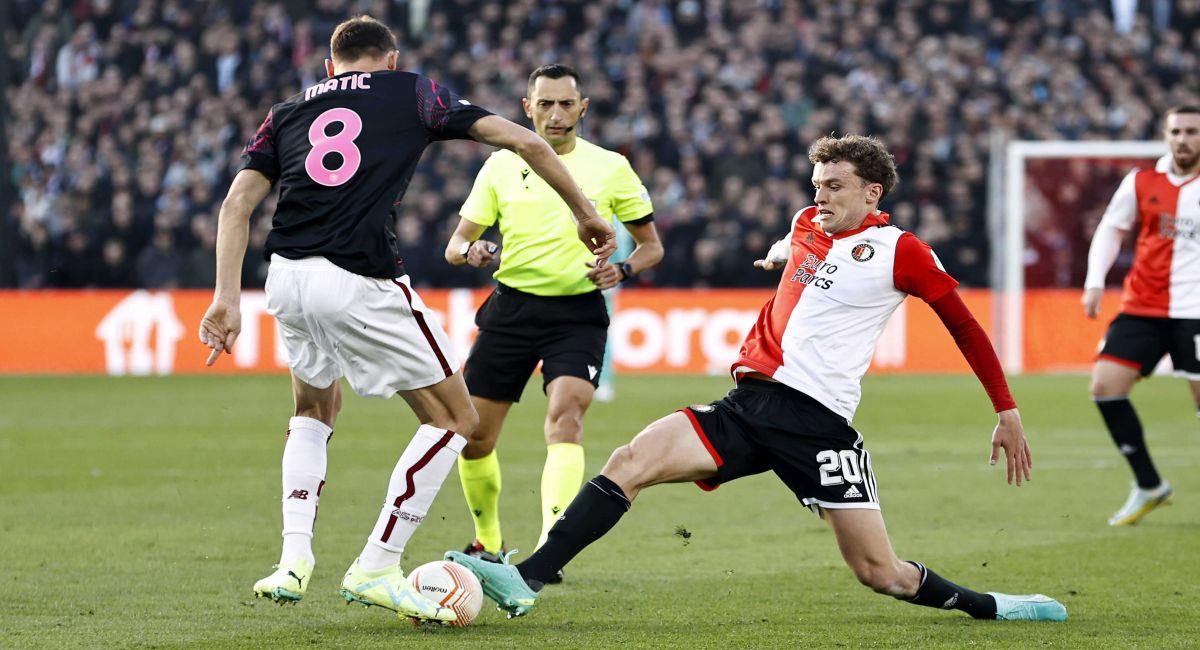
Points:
[1126,431]
[594,511]
[936,591]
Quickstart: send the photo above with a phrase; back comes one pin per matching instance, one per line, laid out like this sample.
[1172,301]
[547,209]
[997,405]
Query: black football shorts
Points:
[517,330]
[1141,341]
[763,425]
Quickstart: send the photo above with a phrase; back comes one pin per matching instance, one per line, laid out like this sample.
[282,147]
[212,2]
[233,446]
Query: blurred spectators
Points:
[127,116]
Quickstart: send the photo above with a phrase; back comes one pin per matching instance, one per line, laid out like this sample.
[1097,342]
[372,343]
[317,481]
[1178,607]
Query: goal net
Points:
[1045,199]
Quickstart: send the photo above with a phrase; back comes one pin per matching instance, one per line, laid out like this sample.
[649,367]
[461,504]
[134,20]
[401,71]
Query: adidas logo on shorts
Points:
[852,493]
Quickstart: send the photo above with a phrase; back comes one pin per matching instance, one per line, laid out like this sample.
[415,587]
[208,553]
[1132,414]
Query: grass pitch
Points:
[139,512]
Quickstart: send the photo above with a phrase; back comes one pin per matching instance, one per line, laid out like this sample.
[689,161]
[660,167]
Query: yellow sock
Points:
[561,479]
[481,485]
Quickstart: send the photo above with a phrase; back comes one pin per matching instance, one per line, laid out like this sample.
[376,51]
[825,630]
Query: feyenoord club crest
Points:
[862,252]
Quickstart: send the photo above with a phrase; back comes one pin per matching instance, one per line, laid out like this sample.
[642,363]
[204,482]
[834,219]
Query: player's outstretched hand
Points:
[597,234]
[777,257]
[1091,302]
[1010,436]
[220,327]
[767,265]
[603,274]
[482,254]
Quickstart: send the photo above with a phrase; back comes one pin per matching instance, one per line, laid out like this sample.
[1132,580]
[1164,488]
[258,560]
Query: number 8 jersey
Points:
[343,153]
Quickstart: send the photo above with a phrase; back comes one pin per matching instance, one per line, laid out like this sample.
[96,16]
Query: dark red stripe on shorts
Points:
[425,329]
[408,479]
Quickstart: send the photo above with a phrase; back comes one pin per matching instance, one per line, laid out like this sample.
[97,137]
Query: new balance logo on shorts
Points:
[299,494]
[852,493]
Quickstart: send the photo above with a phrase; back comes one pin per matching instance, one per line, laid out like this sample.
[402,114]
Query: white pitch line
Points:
[1065,464]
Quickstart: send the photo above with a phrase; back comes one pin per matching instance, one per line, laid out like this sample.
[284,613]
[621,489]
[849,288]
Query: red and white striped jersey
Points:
[818,333]
[1165,279]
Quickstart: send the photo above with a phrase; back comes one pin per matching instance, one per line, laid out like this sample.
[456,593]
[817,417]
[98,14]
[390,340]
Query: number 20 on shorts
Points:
[839,467]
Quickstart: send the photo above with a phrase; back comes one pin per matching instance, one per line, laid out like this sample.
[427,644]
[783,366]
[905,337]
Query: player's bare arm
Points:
[223,321]
[647,253]
[465,247]
[1091,302]
[594,232]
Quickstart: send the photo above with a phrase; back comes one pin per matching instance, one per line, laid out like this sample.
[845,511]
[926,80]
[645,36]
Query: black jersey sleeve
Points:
[260,153]
[445,115]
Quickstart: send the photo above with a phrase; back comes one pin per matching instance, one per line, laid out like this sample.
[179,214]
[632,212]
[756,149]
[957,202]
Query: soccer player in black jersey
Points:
[343,152]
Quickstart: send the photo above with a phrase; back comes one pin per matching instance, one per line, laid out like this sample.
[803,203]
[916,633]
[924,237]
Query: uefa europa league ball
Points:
[450,585]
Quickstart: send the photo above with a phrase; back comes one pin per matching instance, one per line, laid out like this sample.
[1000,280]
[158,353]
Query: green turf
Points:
[138,512]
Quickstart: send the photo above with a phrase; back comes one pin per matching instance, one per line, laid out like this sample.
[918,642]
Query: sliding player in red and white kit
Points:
[343,152]
[1160,306]
[798,385]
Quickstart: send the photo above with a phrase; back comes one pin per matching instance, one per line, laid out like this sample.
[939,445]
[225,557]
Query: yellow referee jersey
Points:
[542,254]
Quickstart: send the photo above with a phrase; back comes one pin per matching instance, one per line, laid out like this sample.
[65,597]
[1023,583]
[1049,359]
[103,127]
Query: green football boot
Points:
[501,582]
[389,589]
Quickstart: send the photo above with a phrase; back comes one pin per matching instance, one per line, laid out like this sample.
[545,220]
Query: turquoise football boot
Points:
[1034,607]
[501,582]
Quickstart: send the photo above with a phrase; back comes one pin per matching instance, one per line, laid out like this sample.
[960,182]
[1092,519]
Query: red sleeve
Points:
[976,348]
[918,272]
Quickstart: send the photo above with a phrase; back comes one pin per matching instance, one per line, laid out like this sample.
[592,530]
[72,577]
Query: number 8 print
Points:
[342,143]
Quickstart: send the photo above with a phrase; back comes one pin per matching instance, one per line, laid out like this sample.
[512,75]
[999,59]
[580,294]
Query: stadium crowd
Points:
[126,117]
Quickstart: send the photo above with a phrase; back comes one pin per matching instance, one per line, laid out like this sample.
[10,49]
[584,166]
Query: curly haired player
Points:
[845,270]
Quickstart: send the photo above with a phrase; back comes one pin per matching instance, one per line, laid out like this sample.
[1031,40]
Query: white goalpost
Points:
[1008,206]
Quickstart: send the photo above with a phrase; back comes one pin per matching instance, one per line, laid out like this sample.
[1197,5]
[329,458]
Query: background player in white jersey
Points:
[845,272]
[1160,304]
[343,152]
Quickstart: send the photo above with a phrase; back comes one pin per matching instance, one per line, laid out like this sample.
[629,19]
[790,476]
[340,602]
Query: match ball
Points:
[450,585]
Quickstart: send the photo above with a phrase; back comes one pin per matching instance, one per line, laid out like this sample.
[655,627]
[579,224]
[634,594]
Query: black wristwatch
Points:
[626,271]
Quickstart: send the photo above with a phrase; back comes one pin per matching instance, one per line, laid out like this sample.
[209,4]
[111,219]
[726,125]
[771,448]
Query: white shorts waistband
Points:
[315,262]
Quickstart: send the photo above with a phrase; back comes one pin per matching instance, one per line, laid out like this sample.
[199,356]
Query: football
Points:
[450,585]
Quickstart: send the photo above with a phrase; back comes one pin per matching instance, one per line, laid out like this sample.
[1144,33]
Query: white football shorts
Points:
[376,333]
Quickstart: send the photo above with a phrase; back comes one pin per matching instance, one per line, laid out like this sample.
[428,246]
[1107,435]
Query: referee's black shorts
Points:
[566,334]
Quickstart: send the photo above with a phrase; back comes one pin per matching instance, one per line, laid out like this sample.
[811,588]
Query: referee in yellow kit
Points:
[547,305]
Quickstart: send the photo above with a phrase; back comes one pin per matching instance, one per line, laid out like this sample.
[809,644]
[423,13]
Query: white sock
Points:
[304,462]
[415,482]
